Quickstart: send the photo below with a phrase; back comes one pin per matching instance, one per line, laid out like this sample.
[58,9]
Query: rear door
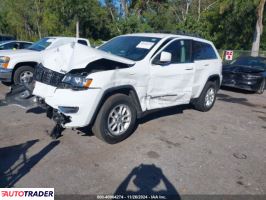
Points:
[171,84]
[205,60]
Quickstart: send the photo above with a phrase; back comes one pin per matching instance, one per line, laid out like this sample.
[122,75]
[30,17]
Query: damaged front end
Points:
[67,84]
[60,120]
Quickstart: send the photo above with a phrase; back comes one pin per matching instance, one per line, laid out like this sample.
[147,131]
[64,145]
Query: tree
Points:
[258,30]
[124,5]
[225,22]
[229,24]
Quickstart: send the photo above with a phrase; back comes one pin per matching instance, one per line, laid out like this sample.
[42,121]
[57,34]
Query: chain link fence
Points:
[236,53]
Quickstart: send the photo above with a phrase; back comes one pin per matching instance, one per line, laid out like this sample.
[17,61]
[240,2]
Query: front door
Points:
[171,83]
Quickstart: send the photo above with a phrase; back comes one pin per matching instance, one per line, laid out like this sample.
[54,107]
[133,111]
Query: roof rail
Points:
[177,32]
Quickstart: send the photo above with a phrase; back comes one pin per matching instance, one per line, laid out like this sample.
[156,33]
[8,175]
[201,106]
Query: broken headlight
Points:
[77,82]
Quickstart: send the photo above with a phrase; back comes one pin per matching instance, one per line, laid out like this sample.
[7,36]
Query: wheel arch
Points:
[212,78]
[20,64]
[128,90]
[215,78]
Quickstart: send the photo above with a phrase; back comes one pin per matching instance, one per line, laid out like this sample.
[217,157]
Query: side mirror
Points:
[165,57]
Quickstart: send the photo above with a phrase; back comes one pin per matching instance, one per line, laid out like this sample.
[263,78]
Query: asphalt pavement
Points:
[175,151]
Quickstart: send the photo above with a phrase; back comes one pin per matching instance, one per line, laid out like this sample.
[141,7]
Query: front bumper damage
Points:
[59,119]
[78,106]
[67,108]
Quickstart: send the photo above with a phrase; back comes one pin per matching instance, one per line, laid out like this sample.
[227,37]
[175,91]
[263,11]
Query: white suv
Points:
[110,87]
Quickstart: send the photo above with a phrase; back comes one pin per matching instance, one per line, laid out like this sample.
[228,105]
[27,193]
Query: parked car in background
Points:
[14,45]
[17,67]
[6,38]
[248,73]
[110,87]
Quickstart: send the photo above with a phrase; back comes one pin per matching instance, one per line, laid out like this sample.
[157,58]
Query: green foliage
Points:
[229,24]
[33,19]
[233,24]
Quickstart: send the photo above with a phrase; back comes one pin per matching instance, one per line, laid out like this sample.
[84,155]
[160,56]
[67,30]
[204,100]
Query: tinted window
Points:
[41,44]
[83,42]
[24,45]
[180,50]
[10,45]
[131,47]
[203,51]
[162,45]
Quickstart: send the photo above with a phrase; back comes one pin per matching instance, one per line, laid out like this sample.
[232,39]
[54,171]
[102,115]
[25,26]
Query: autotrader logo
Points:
[27,193]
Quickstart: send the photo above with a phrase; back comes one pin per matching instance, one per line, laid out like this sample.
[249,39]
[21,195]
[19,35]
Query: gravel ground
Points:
[178,150]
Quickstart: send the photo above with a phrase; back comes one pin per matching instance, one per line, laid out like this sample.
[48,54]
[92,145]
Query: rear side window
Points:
[24,45]
[83,42]
[203,51]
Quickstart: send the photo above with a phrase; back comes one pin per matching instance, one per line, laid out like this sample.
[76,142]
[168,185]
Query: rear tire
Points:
[116,119]
[207,97]
[23,73]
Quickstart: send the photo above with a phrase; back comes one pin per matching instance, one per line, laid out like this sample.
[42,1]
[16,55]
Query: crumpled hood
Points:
[75,56]
[17,52]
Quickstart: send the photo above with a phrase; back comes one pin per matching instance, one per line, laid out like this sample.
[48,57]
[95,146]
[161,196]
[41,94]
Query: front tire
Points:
[207,98]
[23,74]
[262,87]
[116,119]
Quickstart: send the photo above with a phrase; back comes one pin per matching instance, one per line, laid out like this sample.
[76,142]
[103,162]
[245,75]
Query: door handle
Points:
[189,68]
[206,65]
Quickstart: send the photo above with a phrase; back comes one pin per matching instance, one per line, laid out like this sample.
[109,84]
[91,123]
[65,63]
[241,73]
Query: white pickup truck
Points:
[17,67]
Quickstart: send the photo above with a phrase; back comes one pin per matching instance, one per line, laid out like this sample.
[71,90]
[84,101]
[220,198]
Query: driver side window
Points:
[180,50]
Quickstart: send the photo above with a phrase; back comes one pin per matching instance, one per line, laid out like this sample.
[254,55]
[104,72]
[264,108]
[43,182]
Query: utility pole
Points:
[258,30]
[77,29]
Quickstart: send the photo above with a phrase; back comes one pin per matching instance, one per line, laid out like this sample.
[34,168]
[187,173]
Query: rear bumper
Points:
[6,75]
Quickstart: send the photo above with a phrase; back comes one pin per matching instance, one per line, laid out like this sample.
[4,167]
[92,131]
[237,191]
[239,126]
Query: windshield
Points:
[41,44]
[251,62]
[130,47]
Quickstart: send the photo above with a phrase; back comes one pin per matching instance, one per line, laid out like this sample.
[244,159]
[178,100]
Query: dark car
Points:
[6,45]
[248,73]
[6,38]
